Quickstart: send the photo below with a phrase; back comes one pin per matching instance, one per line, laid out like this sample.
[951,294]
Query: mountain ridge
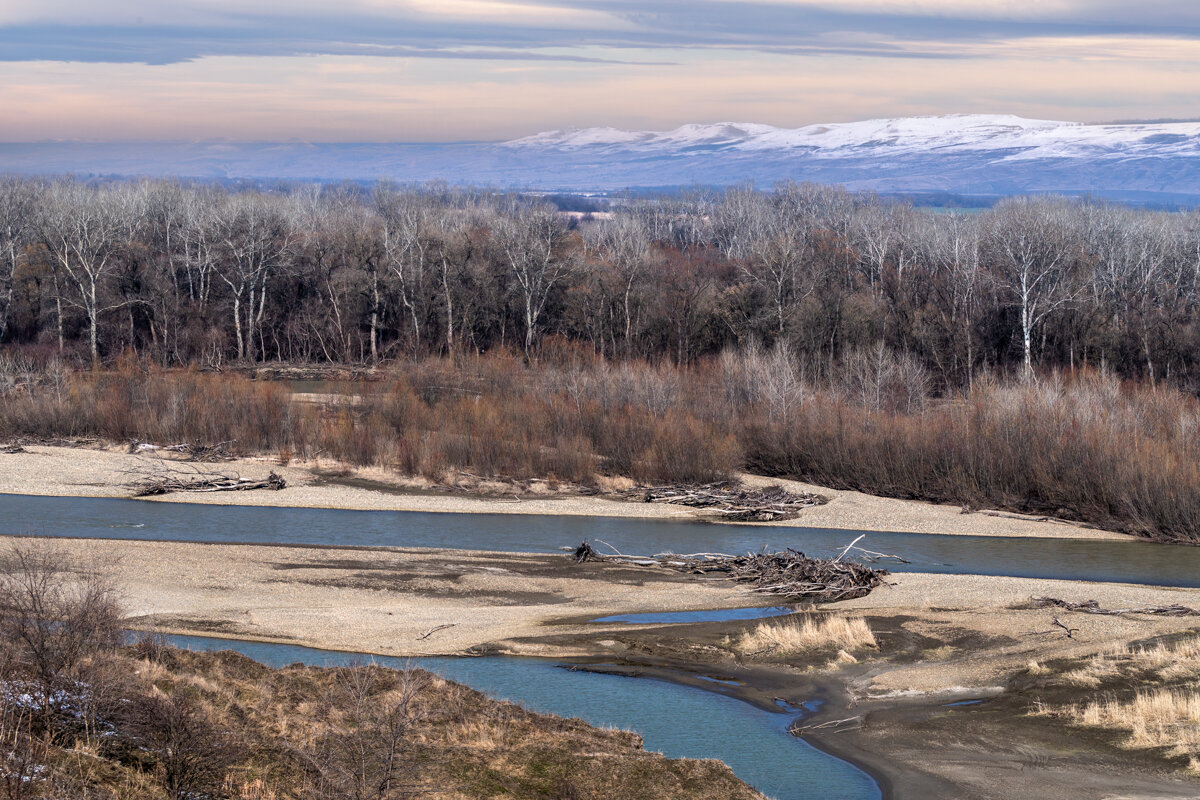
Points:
[965,154]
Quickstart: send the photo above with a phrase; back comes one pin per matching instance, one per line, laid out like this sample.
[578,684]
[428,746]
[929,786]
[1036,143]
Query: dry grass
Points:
[808,635]
[454,742]
[1090,448]
[1162,711]
[1166,718]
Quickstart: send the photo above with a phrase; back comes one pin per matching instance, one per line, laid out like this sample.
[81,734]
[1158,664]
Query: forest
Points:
[1039,356]
[198,274]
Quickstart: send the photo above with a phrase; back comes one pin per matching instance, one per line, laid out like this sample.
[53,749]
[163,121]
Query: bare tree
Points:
[361,752]
[1032,251]
[255,240]
[952,249]
[55,615]
[624,242]
[18,207]
[192,753]
[533,243]
[84,229]
[406,247]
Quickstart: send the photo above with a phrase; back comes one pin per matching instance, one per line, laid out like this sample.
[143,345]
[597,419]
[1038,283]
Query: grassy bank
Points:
[82,715]
[1087,447]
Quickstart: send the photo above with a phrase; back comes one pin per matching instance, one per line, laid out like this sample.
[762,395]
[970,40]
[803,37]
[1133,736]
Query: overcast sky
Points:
[446,70]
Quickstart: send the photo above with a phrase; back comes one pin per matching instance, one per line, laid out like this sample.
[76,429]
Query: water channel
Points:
[1127,561]
[678,721]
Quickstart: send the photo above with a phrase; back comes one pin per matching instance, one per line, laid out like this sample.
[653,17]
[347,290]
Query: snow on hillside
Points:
[1020,138]
[963,154]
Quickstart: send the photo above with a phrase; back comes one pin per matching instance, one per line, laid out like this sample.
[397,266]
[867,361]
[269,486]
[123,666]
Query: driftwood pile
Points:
[158,481]
[1092,607]
[732,501]
[789,573]
[190,452]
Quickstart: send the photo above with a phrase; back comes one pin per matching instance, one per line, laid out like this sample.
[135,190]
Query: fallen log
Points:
[191,452]
[1092,607]
[167,481]
[434,630]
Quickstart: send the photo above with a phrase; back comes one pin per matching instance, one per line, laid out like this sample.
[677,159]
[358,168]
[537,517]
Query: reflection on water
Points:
[678,721]
[1078,559]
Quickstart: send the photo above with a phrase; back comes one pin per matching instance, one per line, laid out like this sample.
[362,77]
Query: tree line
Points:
[200,274]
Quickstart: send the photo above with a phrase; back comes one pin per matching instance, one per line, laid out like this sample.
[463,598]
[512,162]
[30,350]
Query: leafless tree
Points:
[406,246]
[1033,249]
[56,614]
[18,207]
[192,752]
[84,229]
[624,244]
[361,752]
[532,240]
[255,239]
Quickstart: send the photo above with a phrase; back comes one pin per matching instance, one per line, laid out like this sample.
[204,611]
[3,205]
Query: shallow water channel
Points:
[1128,561]
[678,721]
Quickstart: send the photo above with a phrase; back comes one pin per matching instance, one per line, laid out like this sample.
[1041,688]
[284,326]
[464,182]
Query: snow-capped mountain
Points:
[960,154]
[1008,137]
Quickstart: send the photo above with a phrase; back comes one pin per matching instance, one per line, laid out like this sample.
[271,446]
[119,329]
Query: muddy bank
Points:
[942,708]
[104,472]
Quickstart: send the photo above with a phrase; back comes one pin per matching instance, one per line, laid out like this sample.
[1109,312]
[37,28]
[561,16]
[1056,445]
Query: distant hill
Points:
[974,155]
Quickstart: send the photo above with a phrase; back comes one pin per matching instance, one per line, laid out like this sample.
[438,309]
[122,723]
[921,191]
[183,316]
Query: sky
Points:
[482,70]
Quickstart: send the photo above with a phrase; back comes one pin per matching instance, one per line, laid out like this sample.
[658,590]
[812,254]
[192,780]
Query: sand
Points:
[995,639]
[79,472]
[382,600]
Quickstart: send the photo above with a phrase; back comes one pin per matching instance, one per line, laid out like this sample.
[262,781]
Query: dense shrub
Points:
[1087,447]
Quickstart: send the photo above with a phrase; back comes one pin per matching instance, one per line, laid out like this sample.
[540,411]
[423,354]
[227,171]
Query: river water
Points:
[1127,561]
[678,721]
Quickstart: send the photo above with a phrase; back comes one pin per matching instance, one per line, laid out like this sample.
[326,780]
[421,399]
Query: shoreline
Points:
[943,637]
[103,472]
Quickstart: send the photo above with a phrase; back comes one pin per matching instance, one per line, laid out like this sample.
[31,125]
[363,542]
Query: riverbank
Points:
[941,639]
[105,471]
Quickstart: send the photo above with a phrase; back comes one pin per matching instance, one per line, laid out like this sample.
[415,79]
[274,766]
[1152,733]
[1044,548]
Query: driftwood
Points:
[1092,607]
[434,630]
[161,479]
[789,573]
[1070,631]
[832,726]
[190,452]
[731,501]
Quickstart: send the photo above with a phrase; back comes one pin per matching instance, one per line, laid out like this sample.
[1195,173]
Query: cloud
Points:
[131,31]
[483,69]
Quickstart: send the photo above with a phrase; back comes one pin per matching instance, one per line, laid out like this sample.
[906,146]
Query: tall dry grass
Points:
[1167,718]
[1162,712]
[791,637]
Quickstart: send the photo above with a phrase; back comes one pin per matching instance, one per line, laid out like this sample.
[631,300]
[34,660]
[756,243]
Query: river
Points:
[1126,561]
[679,721]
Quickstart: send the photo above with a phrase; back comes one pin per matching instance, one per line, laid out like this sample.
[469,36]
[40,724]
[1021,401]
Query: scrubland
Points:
[1084,447]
